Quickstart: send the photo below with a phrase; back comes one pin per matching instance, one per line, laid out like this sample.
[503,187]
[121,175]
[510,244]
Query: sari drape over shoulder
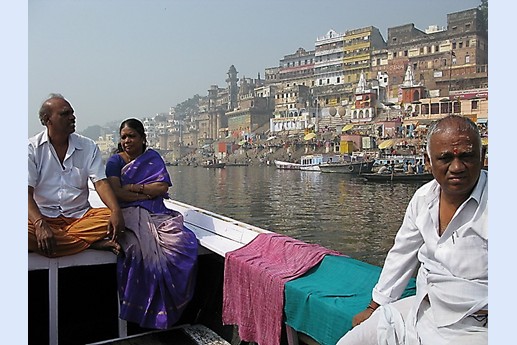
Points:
[156,271]
[147,168]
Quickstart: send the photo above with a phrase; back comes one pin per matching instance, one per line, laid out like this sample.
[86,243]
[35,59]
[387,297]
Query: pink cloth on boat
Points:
[254,278]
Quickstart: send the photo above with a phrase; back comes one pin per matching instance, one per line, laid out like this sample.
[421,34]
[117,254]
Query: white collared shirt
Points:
[63,189]
[453,268]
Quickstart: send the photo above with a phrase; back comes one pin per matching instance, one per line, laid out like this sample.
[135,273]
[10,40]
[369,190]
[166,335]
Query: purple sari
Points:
[156,271]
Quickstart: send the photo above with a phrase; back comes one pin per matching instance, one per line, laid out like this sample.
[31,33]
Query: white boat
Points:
[287,165]
[217,236]
[313,162]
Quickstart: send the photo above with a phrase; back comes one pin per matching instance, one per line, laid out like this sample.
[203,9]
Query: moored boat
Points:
[353,168]
[311,162]
[212,164]
[287,165]
[403,177]
[314,161]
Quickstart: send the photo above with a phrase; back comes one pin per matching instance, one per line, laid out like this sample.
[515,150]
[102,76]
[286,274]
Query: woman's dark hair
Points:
[136,125]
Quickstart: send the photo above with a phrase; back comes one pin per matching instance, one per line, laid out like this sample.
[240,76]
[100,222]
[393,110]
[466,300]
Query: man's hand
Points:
[362,316]
[116,224]
[45,237]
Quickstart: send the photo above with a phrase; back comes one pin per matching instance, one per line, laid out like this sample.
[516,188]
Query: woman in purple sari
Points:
[156,270]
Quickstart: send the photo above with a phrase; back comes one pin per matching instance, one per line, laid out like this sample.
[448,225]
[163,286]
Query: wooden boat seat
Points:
[86,258]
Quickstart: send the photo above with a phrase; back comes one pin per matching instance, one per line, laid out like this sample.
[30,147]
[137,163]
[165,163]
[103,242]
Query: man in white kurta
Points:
[449,247]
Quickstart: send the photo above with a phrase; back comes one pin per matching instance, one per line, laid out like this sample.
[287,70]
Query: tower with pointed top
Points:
[233,89]
[412,90]
[365,101]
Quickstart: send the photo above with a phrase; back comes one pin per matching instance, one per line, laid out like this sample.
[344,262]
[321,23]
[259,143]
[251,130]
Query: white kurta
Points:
[453,270]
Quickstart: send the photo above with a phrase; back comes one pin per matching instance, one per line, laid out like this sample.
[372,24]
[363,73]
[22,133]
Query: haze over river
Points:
[340,212]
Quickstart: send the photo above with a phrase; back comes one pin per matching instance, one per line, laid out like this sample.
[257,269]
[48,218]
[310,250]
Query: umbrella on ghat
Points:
[309,136]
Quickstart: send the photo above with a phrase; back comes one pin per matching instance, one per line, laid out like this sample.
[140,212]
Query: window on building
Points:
[338,80]
[467,43]
[453,45]
[460,45]
[421,50]
[467,58]
[436,49]
[405,52]
[474,104]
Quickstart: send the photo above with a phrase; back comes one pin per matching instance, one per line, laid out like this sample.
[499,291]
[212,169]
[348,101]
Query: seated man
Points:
[384,169]
[61,220]
[444,236]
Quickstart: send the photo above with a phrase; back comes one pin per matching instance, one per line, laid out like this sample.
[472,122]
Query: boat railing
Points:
[215,232]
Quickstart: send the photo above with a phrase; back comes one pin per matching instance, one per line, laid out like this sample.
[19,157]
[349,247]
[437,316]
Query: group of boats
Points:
[358,166]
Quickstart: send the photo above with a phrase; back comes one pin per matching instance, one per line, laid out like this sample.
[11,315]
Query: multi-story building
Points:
[328,59]
[297,68]
[340,61]
[253,110]
[271,75]
[106,144]
[354,77]
[359,46]
[443,60]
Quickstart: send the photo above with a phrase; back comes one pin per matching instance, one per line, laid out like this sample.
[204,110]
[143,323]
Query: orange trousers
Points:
[74,235]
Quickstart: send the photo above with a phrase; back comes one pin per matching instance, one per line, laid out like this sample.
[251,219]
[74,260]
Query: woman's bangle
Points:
[37,220]
[370,307]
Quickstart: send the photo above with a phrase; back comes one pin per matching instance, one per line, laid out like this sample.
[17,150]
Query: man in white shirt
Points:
[444,235]
[61,220]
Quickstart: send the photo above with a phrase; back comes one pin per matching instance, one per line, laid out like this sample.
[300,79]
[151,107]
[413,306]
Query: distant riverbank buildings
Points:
[353,83]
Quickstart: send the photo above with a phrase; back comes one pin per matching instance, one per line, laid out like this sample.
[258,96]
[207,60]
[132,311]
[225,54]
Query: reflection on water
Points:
[340,212]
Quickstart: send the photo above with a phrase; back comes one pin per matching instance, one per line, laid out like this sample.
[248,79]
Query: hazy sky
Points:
[126,58]
[115,59]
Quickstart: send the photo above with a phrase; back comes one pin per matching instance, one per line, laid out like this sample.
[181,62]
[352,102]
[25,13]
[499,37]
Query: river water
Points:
[340,212]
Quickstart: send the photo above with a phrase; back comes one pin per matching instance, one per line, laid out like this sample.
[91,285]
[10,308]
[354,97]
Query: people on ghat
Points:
[157,267]
[444,238]
[61,162]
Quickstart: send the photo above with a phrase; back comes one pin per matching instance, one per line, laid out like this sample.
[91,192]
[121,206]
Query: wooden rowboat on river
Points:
[201,323]
[395,177]
[351,168]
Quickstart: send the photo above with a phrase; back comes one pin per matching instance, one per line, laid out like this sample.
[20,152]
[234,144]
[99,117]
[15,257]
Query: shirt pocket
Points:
[465,257]
[76,178]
